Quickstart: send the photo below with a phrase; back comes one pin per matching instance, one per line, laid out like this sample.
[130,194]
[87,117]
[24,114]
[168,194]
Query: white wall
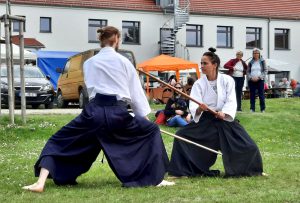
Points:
[239,25]
[70,27]
[70,32]
[292,55]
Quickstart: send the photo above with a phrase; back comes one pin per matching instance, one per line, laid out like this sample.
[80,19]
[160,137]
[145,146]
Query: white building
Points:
[228,25]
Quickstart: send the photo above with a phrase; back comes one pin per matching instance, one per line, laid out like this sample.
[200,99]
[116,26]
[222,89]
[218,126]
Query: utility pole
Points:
[23,98]
[9,71]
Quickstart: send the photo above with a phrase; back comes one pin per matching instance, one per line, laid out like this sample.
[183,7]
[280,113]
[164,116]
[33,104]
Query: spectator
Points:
[293,84]
[275,92]
[237,69]
[176,110]
[189,84]
[172,80]
[256,72]
[285,84]
[297,90]
[273,84]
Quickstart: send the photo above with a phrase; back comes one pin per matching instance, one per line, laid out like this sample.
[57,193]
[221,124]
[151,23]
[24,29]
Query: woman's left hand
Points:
[220,115]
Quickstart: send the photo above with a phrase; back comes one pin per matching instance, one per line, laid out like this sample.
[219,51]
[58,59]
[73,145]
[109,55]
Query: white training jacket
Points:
[224,100]
[110,73]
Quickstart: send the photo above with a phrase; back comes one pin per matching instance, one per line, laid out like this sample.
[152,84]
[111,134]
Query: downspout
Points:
[269,54]
[269,22]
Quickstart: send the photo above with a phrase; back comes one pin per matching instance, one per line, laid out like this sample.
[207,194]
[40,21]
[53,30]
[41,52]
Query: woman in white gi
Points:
[241,157]
[132,145]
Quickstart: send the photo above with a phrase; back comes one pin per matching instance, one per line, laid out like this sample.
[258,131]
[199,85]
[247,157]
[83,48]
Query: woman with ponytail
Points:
[241,156]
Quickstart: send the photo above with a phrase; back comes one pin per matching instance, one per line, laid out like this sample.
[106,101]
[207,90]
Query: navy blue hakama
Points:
[241,156]
[132,145]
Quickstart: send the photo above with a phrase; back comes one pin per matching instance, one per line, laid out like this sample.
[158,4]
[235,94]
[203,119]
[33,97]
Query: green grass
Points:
[276,132]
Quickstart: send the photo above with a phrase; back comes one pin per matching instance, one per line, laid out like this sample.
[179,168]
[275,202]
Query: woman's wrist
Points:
[199,111]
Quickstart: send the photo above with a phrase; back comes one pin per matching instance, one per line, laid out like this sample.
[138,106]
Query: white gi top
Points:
[224,100]
[110,73]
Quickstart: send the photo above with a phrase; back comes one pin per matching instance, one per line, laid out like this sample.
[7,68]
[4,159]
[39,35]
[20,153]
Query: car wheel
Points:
[49,105]
[61,103]
[83,98]
[35,106]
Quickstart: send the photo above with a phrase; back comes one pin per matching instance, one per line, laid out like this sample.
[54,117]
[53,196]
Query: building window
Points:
[253,37]
[282,38]
[16,25]
[94,25]
[131,32]
[45,24]
[224,36]
[193,35]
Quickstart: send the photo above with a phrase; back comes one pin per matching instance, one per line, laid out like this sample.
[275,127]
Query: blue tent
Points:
[48,61]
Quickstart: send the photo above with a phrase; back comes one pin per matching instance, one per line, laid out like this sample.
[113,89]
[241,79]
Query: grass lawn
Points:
[276,133]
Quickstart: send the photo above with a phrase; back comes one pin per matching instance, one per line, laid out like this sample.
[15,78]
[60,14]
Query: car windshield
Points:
[128,55]
[29,72]
[125,53]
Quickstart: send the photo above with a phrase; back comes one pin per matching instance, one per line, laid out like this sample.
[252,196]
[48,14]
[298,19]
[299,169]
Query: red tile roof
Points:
[283,9]
[28,42]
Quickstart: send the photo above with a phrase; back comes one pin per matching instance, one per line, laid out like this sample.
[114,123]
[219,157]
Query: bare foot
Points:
[36,187]
[165,183]
[264,174]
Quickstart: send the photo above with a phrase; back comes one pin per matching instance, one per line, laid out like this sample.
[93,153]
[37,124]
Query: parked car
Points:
[70,85]
[38,89]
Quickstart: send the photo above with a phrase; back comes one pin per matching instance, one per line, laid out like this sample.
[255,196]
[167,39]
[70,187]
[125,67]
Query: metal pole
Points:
[9,71]
[12,57]
[23,99]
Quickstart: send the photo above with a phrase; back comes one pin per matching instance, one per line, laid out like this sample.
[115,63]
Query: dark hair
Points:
[172,77]
[214,58]
[182,88]
[107,34]
[190,81]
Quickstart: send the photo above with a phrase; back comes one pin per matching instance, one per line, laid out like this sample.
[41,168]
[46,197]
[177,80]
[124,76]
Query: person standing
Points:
[237,69]
[241,156]
[132,144]
[256,73]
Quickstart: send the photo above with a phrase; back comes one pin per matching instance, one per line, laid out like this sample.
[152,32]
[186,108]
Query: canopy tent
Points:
[48,61]
[167,63]
[277,66]
[274,70]
[16,54]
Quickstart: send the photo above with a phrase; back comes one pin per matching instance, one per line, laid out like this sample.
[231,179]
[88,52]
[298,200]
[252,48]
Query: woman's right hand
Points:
[202,107]
[255,79]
